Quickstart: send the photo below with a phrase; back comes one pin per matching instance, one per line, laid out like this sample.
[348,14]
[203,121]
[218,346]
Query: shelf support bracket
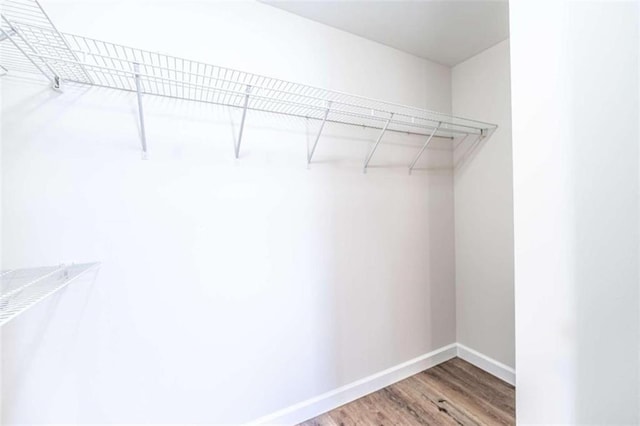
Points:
[373,150]
[315,144]
[484,134]
[244,114]
[143,136]
[424,147]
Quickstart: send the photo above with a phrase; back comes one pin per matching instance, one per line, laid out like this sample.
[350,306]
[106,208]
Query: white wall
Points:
[574,71]
[484,208]
[228,289]
[1,256]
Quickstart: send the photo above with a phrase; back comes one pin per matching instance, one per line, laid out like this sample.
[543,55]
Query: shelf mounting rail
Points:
[30,42]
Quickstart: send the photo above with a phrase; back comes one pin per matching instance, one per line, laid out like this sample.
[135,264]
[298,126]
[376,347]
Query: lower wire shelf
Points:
[20,289]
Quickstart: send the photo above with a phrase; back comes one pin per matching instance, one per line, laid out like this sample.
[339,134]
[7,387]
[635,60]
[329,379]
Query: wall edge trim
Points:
[488,364]
[328,401]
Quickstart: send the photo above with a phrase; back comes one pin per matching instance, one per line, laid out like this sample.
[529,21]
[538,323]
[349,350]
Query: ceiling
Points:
[444,31]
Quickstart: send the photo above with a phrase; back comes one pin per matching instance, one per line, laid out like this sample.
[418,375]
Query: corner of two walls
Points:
[483,193]
[1,268]
[196,200]
[228,281]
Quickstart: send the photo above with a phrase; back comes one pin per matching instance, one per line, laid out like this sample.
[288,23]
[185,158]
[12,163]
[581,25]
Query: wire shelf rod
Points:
[332,121]
[6,295]
[10,38]
[270,90]
[20,289]
[24,40]
[333,92]
[228,92]
[84,60]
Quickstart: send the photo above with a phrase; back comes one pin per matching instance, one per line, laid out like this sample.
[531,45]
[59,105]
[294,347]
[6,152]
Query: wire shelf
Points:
[37,44]
[26,32]
[20,289]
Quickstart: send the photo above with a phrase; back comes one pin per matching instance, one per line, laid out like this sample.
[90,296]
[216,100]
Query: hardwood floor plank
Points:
[371,411]
[393,411]
[421,403]
[468,396]
[452,393]
[321,420]
[429,396]
[374,410]
[499,394]
[343,416]
[460,409]
[499,386]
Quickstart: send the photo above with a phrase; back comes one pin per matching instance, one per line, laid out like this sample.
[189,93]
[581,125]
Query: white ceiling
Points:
[444,31]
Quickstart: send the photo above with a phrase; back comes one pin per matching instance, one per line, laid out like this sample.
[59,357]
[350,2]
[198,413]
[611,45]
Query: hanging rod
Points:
[77,59]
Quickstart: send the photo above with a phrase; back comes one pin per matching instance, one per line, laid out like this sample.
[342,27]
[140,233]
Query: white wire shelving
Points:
[21,289]
[30,42]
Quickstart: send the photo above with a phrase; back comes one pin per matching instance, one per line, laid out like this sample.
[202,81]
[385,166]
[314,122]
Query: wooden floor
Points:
[452,393]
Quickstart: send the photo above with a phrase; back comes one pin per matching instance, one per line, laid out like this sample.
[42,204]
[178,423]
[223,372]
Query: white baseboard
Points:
[313,407]
[487,364]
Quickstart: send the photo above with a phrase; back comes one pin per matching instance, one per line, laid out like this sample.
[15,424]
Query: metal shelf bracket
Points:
[315,144]
[375,146]
[30,42]
[244,114]
[424,147]
[143,136]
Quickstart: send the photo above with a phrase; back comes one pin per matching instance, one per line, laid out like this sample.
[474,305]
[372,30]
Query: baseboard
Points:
[487,364]
[313,407]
